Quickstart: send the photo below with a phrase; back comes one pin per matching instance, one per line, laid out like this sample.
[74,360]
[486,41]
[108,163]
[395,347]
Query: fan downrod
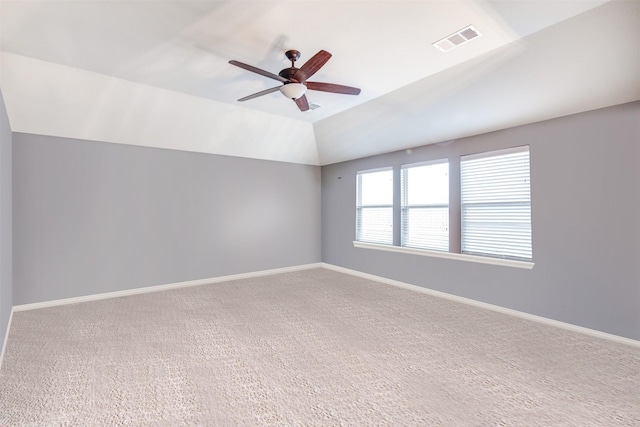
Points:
[287,73]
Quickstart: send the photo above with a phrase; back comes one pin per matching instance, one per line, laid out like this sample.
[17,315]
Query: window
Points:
[425,205]
[496,204]
[374,206]
[484,218]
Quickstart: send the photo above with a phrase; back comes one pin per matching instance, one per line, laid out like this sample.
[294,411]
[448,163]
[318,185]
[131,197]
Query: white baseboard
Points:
[6,337]
[496,308]
[158,288]
[516,313]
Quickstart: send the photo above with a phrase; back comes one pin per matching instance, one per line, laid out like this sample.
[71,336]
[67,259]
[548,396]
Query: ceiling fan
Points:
[295,79]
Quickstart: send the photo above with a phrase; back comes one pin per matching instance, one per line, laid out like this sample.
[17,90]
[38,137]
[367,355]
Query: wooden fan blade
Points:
[257,94]
[312,65]
[258,71]
[330,87]
[302,103]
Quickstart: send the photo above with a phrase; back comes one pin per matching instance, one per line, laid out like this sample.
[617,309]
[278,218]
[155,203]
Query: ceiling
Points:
[156,73]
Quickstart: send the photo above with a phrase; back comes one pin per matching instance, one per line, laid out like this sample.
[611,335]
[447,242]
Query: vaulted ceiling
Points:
[156,73]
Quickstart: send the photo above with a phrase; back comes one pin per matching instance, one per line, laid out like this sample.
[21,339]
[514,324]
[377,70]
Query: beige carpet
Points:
[311,348]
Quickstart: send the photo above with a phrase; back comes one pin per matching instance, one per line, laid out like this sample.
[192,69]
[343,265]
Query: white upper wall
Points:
[50,99]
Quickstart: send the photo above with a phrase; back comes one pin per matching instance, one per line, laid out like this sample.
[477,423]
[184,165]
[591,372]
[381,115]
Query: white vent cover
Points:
[314,106]
[458,38]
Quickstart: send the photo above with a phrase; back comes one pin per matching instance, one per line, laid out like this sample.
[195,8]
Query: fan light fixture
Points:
[293,90]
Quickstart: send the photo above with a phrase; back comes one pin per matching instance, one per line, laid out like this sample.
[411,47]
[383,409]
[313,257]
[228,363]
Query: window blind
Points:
[496,204]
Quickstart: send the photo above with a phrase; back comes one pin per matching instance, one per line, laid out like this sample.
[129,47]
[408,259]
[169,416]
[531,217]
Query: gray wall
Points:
[585,183]
[93,217]
[6,298]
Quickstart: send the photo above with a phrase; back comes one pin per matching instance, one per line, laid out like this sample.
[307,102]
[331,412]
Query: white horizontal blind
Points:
[425,206]
[374,206]
[496,204]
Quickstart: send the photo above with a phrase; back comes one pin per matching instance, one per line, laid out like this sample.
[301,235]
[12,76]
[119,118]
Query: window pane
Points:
[496,204]
[375,225]
[377,188]
[426,228]
[428,185]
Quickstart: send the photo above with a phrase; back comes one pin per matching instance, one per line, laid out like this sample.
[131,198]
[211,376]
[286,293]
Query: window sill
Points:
[447,255]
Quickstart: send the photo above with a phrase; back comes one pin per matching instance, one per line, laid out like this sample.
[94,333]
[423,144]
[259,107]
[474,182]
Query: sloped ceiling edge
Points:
[50,99]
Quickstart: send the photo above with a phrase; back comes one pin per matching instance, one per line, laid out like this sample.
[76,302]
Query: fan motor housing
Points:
[288,73]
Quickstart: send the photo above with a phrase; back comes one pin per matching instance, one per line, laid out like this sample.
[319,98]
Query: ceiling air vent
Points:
[456,39]
[314,106]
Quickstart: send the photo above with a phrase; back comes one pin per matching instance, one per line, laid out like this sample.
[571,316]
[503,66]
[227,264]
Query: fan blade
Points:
[258,71]
[330,87]
[312,65]
[257,94]
[302,103]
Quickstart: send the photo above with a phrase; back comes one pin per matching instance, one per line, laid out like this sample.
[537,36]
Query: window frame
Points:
[509,204]
[406,207]
[455,214]
[360,207]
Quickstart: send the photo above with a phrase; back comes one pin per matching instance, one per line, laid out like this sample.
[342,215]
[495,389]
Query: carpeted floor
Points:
[310,348]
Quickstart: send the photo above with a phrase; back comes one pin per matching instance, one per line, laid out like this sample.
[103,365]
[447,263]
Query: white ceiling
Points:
[156,73]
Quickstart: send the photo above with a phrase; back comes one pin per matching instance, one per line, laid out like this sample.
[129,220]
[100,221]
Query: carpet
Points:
[308,348]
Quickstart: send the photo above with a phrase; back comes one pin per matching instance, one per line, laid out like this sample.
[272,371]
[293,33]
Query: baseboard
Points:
[468,301]
[496,308]
[6,338]
[158,288]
